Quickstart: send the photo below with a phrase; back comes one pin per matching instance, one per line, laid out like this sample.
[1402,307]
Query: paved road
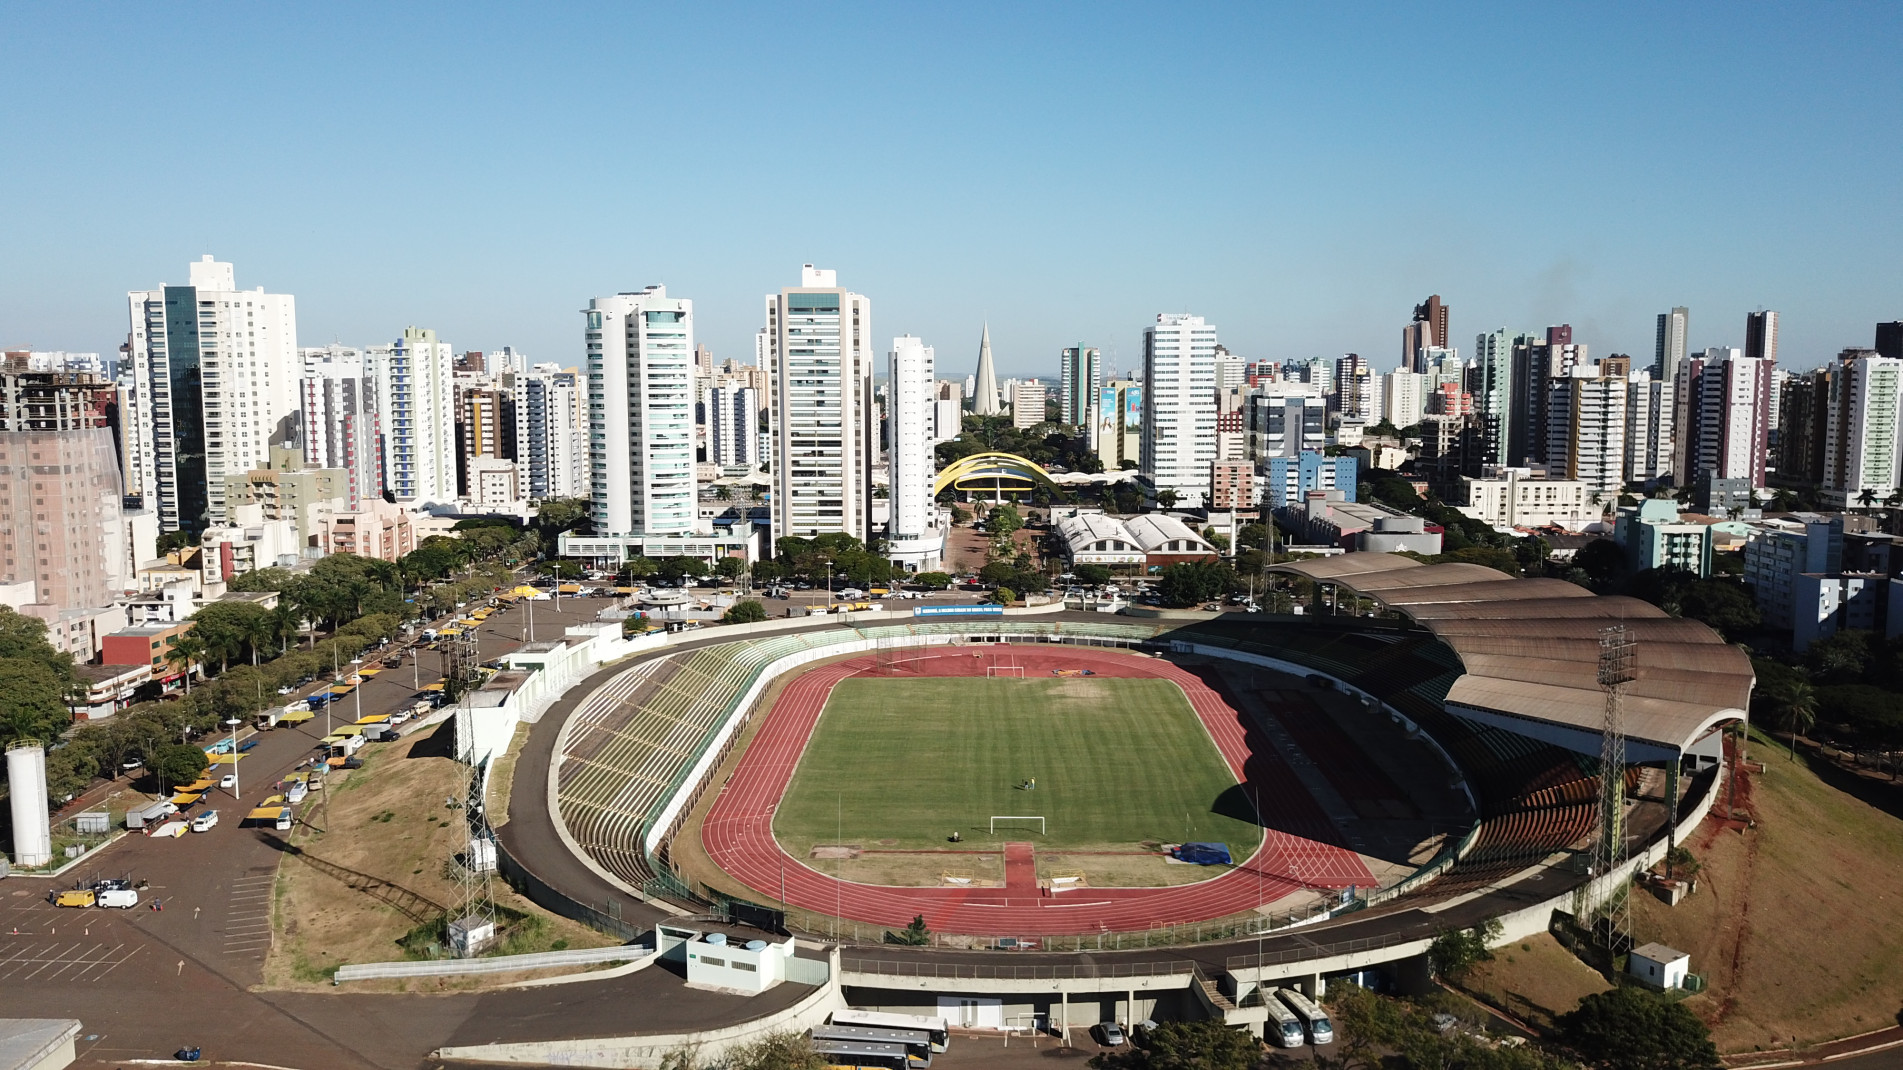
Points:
[144,982]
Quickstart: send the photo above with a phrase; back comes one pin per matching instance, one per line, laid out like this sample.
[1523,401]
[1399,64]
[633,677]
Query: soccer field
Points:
[903,763]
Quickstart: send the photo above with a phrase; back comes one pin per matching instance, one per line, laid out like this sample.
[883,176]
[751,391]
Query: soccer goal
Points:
[1018,821]
[1004,670]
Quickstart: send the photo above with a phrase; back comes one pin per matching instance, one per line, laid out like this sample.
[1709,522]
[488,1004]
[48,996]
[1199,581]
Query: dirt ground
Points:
[1535,980]
[1795,920]
[373,860]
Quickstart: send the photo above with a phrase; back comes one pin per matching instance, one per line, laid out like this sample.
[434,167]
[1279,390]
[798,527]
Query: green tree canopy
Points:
[1629,1029]
[1205,1044]
[1091,575]
[938,580]
[745,611]
[1190,583]
[178,763]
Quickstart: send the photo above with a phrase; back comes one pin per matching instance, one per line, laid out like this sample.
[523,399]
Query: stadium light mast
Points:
[1618,666]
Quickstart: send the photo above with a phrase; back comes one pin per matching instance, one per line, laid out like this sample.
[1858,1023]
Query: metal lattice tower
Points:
[1618,665]
[475,910]
[460,670]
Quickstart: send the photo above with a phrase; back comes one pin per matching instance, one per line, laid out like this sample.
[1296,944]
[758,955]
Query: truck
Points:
[141,816]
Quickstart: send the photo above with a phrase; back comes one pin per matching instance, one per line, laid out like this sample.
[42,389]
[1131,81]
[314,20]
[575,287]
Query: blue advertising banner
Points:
[958,611]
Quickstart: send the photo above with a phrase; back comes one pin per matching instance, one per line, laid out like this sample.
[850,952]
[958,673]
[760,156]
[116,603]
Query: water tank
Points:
[717,939]
[26,787]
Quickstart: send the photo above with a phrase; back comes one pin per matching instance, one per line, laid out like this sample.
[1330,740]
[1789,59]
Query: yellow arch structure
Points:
[1002,472]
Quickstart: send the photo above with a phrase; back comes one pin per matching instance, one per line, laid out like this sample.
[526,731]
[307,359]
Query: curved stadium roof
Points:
[1530,647]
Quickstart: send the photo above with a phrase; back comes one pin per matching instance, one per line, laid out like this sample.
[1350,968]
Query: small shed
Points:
[1659,966]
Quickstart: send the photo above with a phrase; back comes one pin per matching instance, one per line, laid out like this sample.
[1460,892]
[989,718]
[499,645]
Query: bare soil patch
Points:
[1794,920]
[373,862]
[1535,980]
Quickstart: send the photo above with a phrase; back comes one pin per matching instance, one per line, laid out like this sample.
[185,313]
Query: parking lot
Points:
[178,968]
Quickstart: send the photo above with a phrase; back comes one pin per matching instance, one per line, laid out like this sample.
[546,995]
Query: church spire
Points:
[984,401]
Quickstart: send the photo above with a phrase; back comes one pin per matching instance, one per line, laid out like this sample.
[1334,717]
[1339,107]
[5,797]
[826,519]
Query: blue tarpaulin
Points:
[1203,854]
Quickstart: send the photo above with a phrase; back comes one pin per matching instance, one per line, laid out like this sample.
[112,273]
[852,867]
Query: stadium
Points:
[954,804]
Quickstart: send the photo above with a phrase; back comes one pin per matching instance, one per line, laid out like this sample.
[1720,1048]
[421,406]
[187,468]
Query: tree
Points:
[777,1051]
[1166,498]
[769,572]
[1004,519]
[915,934]
[730,568]
[745,611]
[1603,562]
[1629,1029]
[186,651]
[934,580]
[178,763]
[1455,951]
[1091,575]
[32,702]
[1206,1044]
[1796,704]
[1004,596]
[1723,605]
[675,568]
[641,568]
[1191,583]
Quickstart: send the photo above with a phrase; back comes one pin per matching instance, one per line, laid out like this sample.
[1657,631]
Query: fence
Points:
[1017,972]
[545,960]
[544,895]
[1306,952]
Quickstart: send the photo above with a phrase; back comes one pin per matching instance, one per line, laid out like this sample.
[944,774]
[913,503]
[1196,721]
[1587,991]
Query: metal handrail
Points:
[1018,971]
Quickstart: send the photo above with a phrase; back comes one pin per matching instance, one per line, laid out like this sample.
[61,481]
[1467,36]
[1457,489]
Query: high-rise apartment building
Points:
[1535,364]
[948,410]
[1723,416]
[214,370]
[1492,388]
[61,525]
[641,414]
[1890,339]
[1027,403]
[733,426]
[1803,427]
[551,432]
[1428,330]
[1586,429]
[1285,420]
[1116,429]
[914,539]
[339,419]
[1669,347]
[1179,412]
[1354,388]
[825,433]
[1863,460]
[1404,397]
[1080,376]
[416,404]
[1760,335]
[985,400]
[485,426]
[1648,429]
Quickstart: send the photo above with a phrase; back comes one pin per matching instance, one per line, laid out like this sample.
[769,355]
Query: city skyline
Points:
[1665,188]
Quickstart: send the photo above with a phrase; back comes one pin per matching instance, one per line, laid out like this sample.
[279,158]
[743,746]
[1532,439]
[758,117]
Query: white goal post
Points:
[1016,817]
[1004,670]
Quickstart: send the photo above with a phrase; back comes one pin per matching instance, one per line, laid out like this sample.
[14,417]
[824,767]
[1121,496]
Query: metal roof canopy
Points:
[1530,649]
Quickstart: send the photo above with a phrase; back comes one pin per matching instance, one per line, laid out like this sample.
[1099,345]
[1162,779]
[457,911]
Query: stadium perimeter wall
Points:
[647,1050]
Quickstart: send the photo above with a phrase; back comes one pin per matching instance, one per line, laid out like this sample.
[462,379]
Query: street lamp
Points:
[234,722]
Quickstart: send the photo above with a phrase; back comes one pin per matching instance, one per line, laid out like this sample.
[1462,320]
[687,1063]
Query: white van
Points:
[204,822]
[123,898]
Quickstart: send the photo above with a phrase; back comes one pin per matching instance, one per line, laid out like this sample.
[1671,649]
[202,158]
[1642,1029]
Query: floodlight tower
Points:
[1618,666]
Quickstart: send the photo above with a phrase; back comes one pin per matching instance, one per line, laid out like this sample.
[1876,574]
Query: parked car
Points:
[73,897]
[121,898]
[1111,1034]
[205,821]
[228,781]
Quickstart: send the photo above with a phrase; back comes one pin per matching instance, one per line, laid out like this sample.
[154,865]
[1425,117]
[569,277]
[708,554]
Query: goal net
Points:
[1018,822]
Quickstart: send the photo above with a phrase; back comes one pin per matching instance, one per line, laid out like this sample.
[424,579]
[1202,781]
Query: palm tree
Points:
[187,650]
[1797,708]
[1867,498]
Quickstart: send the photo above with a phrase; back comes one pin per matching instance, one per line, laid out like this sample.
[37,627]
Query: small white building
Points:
[1513,498]
[716,960]
[1659,966]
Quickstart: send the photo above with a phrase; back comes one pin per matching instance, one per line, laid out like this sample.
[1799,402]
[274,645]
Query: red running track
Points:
[738,832]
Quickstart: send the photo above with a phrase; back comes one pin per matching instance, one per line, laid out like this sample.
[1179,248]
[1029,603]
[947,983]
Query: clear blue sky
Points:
[1301,176]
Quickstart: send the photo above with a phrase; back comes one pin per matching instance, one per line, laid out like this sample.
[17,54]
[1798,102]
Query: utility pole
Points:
[1618,666]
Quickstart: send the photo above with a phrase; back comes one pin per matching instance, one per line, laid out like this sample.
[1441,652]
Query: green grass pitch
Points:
[1117,762]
